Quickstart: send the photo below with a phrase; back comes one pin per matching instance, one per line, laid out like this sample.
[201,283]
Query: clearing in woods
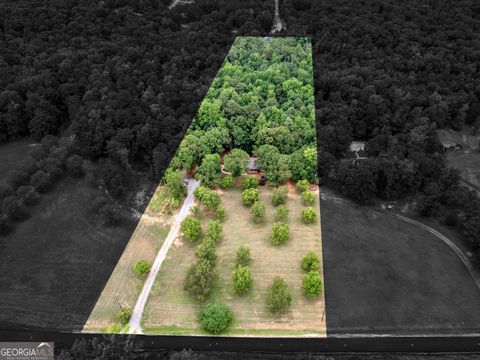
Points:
[171,311]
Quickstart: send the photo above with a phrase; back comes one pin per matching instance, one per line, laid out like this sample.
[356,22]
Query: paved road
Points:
[135,326]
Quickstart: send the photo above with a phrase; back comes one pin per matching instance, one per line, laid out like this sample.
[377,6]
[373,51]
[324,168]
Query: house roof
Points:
[253,163]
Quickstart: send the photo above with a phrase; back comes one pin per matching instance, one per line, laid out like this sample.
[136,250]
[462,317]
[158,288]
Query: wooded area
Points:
[127,77]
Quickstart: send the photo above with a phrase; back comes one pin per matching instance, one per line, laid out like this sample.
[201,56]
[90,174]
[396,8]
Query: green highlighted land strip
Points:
[235,259]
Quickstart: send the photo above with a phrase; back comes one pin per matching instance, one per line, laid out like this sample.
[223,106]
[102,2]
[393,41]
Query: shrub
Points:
[142,268]
[29,195]
[249,196]
[279,298]
[220,213]
[242,279]
[310,262]
[279,196]
[302,186]
[191,228]
[227,182]
[312,284]
[206,250]
[250,182]
[243,256]
[309,215]
[124,316]
[280,233]
[214,230]
[258,211]
[42,180]
[216,318]
[75,165]
[209,198]
[308,198]
[281,213]
[199,280]
[13,209]
[196,211]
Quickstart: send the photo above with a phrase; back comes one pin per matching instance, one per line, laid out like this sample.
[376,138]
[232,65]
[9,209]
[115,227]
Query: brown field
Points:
[123,286]
[170,311]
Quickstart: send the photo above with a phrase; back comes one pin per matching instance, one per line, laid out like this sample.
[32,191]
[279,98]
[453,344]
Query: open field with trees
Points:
[171,311]
[125,283]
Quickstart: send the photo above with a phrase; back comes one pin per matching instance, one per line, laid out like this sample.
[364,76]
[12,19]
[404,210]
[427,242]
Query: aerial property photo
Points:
[230,242]
[281,175]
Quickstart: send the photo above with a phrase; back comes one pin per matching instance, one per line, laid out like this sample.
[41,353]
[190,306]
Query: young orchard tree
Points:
[308,197]
[279,298]
[191,228]
[214,229]
[309,215]
[302,185]
[312,284]
[142,268]
[216,318]
[250,196]
[258,211]
[199,280]
[227,182]
[243,256]
[242,279]
[250,182]
[206,250]
[235,162]
[280,233]
[310,262]
[279,196]
[281,213]
[124,315]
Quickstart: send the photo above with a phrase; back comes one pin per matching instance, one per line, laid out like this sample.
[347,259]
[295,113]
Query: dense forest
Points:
[126,77]
[260,104]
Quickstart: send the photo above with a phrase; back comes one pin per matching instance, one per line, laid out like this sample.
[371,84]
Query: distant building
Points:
[357,146]
[450,145]
[357,151]
[252,165]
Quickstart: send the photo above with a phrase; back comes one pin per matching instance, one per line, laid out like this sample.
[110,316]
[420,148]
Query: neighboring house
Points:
[252,165]
[450,145]
[357,150]
[357,146]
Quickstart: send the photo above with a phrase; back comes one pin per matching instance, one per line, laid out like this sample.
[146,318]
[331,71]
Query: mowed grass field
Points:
[55,263]
[384,276]
[123,286]
[170,311]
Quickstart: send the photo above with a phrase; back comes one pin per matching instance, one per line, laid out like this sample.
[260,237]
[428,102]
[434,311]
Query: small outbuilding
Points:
[252,166]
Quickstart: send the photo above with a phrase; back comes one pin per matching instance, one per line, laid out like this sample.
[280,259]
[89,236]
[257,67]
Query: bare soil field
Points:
[387,277]
[55,264]
[170,311]
[123,287]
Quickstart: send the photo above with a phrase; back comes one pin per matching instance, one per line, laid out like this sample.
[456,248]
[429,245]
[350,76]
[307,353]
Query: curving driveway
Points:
[135,321]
